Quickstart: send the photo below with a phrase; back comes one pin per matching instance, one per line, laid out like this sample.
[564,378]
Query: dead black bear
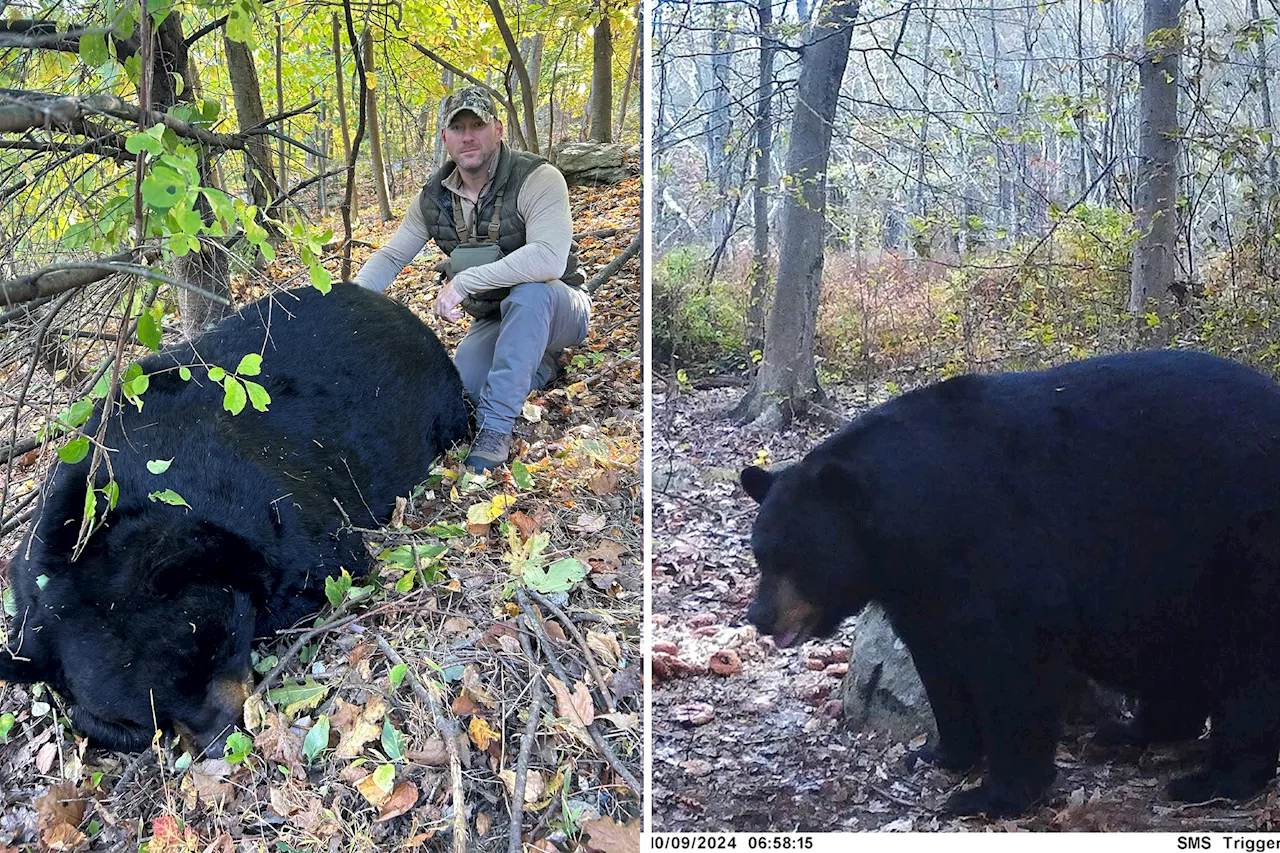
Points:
[1119,516]
[152,624]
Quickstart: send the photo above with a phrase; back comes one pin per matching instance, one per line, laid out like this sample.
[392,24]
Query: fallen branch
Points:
[582,644]
[18,448]
[603,745]
[616,264]
[514,843]
[447,730]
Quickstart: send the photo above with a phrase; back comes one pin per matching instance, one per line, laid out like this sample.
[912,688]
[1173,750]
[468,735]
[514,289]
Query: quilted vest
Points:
[436,203]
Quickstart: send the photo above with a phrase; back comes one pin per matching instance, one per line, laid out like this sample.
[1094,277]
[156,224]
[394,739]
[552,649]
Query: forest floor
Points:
[770,731]
[459,633]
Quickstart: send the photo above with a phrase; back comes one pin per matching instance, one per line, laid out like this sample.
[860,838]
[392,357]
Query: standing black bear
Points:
[152,624]
[1119,516]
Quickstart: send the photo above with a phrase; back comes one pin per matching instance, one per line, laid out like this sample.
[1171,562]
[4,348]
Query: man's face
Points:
[471,141]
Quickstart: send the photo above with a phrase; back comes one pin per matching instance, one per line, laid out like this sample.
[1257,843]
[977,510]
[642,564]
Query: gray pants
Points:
[502,359]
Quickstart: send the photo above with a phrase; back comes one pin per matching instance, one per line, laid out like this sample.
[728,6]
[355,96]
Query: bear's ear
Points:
[756,482]
[837,481]
[169,559]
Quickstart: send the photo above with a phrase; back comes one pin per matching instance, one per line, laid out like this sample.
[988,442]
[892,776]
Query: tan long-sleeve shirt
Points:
[543,203]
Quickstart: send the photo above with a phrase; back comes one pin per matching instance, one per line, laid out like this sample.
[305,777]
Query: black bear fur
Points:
[152,624]
[1119,516]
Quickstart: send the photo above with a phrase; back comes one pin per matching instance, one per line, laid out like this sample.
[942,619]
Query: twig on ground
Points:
[448,731]
[339,615]
[603,745]
[582,643]
[514,844]
[611,367]
[140,761]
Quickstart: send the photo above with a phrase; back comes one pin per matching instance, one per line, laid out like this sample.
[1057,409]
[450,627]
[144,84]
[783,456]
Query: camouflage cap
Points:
[476,99]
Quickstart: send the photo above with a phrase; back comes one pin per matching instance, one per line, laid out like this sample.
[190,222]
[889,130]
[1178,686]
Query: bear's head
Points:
[150,628]
[808,546]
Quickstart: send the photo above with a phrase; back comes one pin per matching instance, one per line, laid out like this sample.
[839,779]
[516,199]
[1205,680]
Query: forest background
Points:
[986,166]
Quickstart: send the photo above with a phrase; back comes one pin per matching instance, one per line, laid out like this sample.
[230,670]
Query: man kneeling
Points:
[502,217]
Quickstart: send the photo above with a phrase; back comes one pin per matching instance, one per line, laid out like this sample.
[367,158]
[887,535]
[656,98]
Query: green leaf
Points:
[143,142]
[75,450]
[163,188]
[400,557]
[149,331]
[100,388]
[112,492]
[6,725]
[258,395]
[596,448]
[298,698]
[397,672]
[78,413]
[446,531]
[240,23]
[336,589]
[250,365]
[41,581]
[238,747]
[158,466]
[184,373]
[392,741]
[405,584]
[558,577]
[90,504]
[223,207]
[216,374]
[93,50]
[93,828]
[316,740]
[235,397]
[321,278]
[385,777]
[10,603]
[520,473]
[170,497]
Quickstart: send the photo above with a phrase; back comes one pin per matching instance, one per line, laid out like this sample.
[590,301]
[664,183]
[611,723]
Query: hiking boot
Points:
[489,451]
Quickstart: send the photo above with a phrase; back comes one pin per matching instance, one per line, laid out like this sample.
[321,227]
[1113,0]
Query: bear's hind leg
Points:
[1245,739]
[1019,692]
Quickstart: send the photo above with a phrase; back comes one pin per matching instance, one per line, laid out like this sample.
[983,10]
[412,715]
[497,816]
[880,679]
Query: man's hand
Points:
[447,303]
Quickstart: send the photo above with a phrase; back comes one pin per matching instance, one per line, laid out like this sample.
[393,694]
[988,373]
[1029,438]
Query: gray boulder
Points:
[593,163]
[882,691]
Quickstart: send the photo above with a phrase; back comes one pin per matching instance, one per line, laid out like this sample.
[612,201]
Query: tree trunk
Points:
[760,199]
[719,122]
[787,381]
[375,134]
[284,163]
[208,268]
[632,69]
[354,201]
[1265,195]
[602,81]
[1156,178]
[526,84]
[922,207]
[259,176]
